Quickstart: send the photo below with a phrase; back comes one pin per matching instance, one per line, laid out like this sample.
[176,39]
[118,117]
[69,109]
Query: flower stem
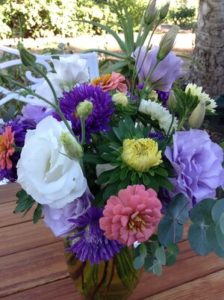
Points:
[83,130]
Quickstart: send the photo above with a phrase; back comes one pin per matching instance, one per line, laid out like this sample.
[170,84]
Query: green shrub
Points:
[44,18]
[183,16]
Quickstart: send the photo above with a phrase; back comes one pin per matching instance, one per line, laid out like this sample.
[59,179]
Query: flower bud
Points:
[164,11]
[167,42]
[84,109]
[72,147]
[27,58]
[153,95]
[120,98]
[172,101]
[150,13]
[197,116]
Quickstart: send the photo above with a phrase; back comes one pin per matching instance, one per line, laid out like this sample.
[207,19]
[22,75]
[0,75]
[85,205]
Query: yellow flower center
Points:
[101,80]
[141,154]
[136,223]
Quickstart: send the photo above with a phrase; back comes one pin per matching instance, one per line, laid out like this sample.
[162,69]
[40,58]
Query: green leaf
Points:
[218,209]
[170,229]
[109,53]
[24,202]
[199,240]
[171,254]
[212,235]
[160,255]
[138,262]
[37,214]
[201,213]
[109,30]
[92,159]
[156,268]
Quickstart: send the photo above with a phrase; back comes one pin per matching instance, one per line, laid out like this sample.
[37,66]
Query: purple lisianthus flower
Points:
[58,220]
[101,114]
[163,97]
[35,113]
[198,165]
[165,73]
[89,242]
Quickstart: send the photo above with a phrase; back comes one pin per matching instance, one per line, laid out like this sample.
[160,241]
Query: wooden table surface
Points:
[32,265]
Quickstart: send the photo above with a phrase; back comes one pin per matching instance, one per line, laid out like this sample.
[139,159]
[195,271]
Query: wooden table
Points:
[32,265]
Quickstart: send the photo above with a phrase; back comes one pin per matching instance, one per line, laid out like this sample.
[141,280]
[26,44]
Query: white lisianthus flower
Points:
[44,171]
[158,113]
[202,96]
[68,71]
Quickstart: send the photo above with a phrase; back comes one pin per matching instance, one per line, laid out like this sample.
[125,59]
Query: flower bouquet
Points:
[117,165]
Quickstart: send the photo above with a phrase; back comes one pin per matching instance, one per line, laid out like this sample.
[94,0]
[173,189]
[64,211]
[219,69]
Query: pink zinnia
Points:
[7,148]
[110,82]
[131,216]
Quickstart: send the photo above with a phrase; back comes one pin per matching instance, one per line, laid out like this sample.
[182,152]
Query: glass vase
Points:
[110,280]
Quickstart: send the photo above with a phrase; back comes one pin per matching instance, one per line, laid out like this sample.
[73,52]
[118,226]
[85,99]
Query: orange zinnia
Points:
[7,148]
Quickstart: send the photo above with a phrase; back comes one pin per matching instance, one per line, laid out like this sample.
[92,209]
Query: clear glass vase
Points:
[112,280]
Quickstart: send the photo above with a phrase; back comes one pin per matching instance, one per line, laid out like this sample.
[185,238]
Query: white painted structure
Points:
[92,64]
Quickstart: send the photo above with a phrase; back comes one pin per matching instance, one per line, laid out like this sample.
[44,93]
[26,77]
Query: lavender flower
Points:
[89,242]
[101,114]
[35,113]
[162,76]
[59,219]
[198,165]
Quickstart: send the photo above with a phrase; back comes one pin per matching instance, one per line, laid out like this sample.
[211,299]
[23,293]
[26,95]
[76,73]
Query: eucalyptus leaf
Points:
[218,209]
[198,239]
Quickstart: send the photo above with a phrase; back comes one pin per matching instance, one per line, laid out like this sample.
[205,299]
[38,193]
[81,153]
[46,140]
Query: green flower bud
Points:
[150,13]
[197,116]
[72,147]
[27,58]
[167,42]
[153,96]
[172,101]
[84,109]
[120,98]
[164,11]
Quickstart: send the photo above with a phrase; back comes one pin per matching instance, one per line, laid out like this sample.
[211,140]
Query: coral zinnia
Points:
[89,243]
[110,82]
[101,113]
[131,216]
[7,148]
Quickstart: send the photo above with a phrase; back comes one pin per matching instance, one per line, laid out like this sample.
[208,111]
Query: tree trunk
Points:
[207,68]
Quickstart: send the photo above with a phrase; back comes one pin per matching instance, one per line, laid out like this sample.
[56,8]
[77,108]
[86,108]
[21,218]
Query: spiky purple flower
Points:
[100,117]
[89,242]
[19,128]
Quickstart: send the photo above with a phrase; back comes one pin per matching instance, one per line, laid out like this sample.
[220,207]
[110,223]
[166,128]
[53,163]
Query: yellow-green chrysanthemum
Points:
[141,154]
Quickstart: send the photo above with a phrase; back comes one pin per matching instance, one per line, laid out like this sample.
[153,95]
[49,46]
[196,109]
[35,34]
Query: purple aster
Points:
[19,128]
[158,136]
[58,220]
[90,243]
[100,117]
[165,73]
[198,165]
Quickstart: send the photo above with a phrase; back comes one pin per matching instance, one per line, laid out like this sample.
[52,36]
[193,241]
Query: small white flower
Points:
[202,96]
[158,113]
[44,171]
[68,71]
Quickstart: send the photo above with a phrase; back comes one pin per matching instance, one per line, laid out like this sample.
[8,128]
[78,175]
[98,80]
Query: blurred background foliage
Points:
[47,18]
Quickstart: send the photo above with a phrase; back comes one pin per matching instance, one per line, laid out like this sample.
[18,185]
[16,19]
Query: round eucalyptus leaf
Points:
[138,262]
[212,238]
[198,239]
[169,231]
[201,213]
[218,210]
